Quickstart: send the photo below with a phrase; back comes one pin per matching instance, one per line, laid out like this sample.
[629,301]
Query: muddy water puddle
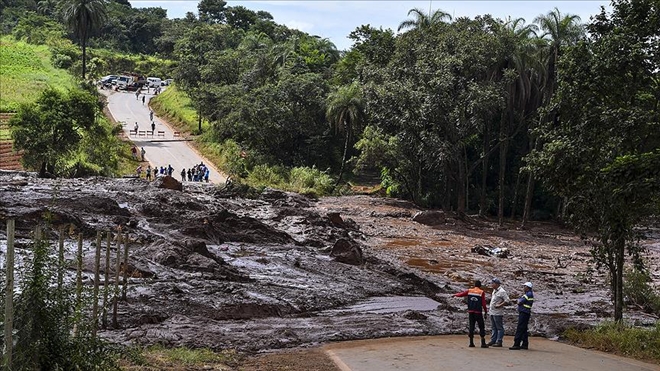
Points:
[391,304]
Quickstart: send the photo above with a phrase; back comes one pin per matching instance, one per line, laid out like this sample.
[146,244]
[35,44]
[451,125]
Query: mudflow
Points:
[212,268]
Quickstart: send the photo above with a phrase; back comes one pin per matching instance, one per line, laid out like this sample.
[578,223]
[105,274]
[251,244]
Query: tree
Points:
[422,20]
[84,17]
[50,130]
[212,11]
[560,31]
[345,111]
[601,154]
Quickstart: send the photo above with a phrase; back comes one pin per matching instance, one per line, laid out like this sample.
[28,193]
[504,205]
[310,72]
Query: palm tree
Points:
[519,66]
[422,20]
[83,18]
[559,31]
[345,111]
[46,7]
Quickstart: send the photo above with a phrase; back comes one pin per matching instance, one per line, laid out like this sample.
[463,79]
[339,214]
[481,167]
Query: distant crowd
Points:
[197,173]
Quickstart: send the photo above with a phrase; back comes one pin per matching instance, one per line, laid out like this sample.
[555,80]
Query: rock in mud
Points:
[168,182]
[430,217]
[348,252]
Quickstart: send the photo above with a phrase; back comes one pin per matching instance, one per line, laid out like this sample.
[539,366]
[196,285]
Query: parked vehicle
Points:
[153,82]
[108,79]
[124,81]
[167,82]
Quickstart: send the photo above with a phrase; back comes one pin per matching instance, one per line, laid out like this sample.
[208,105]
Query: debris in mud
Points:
[487,250]
[167,182]
[430,217]
[345,251]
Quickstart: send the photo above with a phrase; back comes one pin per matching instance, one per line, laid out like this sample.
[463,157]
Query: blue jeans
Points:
[497,324]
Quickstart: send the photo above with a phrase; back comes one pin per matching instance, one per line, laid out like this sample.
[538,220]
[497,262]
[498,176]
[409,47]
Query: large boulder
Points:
[168,182]
[430,217]
[348,252]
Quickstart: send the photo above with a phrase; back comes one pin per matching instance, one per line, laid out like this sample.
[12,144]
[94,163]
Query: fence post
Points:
[116,297]
[79,263]
[60,262]
[125,286]
[95,299]
[104,316]
[9,295]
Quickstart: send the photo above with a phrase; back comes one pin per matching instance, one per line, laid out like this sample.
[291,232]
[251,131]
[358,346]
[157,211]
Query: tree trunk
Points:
[460,183]
[503,149]
[84,57]
[515,197]
[529,192]
[199,119]
[42,171]
[617,278]
[343,161]
[484,173]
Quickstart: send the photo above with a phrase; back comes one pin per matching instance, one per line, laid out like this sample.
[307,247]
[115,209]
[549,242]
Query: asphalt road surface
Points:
[162,147]
[451,353]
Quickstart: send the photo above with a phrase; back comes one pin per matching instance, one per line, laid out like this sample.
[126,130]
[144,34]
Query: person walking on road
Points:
[498,299]
[142,153]
[183,175]
[525,302]
[476,301]
[153,128]
[151,115]
[143,99]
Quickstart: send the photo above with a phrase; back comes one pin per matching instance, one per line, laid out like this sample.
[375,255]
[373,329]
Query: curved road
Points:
[450,353]
[162,148]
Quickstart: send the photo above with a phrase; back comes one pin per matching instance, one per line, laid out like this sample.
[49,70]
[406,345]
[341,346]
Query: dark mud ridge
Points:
[213,270]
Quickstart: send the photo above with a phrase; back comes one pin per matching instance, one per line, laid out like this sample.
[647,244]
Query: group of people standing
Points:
[155,172]
[197,173]
[478,312]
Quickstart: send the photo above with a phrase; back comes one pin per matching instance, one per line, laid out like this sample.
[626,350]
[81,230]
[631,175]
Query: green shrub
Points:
[310,180]
[263,175]
[621,339]
[639,292]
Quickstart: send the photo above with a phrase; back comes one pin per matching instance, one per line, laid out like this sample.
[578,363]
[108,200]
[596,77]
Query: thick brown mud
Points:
[211,269]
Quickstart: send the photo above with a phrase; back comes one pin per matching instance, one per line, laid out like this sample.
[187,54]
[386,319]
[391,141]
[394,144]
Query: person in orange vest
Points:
[477,311]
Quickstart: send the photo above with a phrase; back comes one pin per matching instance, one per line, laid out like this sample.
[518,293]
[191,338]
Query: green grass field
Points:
[176,107]
[26,72]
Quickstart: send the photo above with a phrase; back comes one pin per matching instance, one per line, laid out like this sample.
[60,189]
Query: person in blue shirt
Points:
[525,302]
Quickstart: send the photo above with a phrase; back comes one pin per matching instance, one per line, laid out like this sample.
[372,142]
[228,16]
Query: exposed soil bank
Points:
[213,270]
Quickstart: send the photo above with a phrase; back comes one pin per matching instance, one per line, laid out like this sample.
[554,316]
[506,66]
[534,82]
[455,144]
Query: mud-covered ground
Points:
[210,269]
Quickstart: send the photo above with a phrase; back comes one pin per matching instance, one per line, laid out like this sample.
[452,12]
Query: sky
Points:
[336,19]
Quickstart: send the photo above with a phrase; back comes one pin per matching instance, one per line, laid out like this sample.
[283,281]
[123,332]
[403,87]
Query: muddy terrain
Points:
[280,270]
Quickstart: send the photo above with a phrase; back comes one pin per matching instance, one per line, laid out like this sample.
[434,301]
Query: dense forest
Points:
[514,118]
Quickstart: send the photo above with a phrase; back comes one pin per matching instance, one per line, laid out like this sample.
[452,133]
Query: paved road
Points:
[160,150]
[449,353]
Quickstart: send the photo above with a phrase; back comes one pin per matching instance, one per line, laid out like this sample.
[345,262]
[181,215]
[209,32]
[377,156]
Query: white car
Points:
[153,82]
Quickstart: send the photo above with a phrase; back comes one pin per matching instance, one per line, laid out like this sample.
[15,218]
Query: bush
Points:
[306,180]
[263,175]
[639,292]
[621,339]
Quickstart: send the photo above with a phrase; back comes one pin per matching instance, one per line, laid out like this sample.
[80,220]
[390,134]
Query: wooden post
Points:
[104,316]
[116,297]
[60,262]
[79,262]
[95,299]
[9,295]
[125,286]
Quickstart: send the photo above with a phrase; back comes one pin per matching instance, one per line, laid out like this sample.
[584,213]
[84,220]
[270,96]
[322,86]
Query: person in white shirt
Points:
[498,300]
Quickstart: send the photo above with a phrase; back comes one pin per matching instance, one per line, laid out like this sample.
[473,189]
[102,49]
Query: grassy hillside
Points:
[176,107]
[26,71]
